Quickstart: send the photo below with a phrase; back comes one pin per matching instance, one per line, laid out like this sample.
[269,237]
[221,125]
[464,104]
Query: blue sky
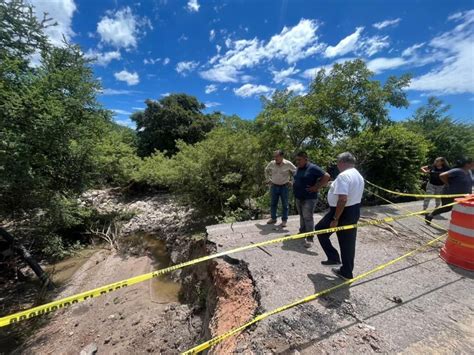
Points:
[228,53]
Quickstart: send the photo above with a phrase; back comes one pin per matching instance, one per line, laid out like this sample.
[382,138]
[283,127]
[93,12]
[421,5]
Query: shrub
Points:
[390,157]
[220,172]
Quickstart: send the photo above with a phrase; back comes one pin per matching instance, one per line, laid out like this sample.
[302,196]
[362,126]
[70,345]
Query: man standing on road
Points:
[279,175]
[309,178]
[344,198]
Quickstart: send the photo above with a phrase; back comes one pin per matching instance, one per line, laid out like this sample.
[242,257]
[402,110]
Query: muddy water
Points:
[63,270]
[162,289]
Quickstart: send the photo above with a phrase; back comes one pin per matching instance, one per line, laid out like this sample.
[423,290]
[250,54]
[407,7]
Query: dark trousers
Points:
[346,238]
[444,201]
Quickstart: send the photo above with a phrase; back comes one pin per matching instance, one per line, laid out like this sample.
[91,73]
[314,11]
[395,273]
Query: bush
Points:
[391,157]
[221,172]
[116,157]
[155,170]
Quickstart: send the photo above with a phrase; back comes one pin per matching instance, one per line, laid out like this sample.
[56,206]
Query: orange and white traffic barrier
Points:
[459,247]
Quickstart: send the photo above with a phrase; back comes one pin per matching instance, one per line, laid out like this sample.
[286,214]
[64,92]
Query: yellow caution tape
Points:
[414,195]
[403,209]
[262,316]
[71,300]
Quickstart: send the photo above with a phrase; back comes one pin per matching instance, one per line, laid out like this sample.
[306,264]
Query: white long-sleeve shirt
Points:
[280,174]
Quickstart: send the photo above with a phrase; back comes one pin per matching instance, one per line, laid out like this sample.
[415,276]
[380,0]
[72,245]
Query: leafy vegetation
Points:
[174,117]
[450,139]
[56,140]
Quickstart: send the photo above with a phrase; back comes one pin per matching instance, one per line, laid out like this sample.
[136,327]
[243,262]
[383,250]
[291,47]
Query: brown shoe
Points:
[271,221]
[283,224]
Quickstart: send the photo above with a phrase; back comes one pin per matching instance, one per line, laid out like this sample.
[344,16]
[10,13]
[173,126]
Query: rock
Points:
[90,349]
[107,340]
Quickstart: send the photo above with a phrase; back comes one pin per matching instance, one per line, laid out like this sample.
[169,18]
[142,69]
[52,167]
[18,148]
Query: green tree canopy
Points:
[174,117]
[340,103]
[390,157]
[50,120]
[346,98]
[448,138]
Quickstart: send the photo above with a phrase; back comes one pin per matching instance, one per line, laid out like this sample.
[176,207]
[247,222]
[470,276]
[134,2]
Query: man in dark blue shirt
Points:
[456,181]
[308,179]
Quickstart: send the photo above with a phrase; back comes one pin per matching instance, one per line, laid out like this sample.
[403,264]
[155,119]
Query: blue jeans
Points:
[278,192]
[306,210]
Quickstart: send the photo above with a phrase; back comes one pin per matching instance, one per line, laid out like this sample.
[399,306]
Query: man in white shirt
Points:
[279,174]
[344,198]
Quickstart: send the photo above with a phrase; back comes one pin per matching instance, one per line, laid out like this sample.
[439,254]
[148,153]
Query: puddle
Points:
[162,289]
[63,270]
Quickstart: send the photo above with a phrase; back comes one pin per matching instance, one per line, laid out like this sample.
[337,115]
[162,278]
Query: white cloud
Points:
[121,112]
[359,44]
[379,65]
[112,92]
[375,44]
[183,37]
[291,44]
[346,45]
[415,102]
[455,16]
[294,43]
[282,75]
[221,74]
[387,23]
[212,35]
[184,68]
[248,90]
[212,104]
[129,78]
[407,52]
[166,61]
[454,74]
[102,58]
[126,123]
[312,72]
[121,28]
[166,94]
[193,6]
[151,61]
[297,87]
[61,11]
[210,88]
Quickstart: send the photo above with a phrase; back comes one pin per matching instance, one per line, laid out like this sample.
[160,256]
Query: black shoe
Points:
[428,219]
[330,262]
[337,272]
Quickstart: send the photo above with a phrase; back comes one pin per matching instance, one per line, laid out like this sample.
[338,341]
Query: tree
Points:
[50,120]
[346,99]
[448,138]
[390,157]
[174,117]
[116,159]
[285,124]
[340,103]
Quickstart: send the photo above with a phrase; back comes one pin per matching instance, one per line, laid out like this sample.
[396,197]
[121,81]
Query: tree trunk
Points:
[27,257]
